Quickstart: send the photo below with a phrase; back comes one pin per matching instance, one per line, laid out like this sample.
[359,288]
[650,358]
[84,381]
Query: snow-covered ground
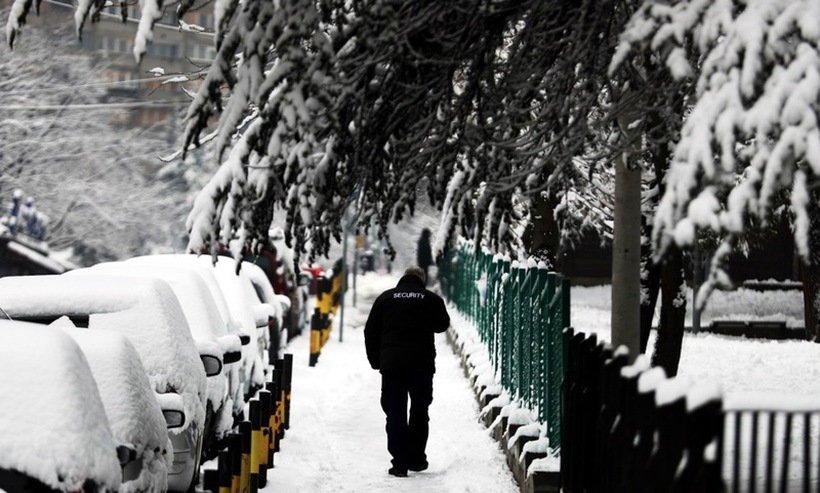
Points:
[737,364]
[336,442]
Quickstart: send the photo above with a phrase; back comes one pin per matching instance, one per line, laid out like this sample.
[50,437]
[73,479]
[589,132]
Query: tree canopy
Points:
[751,132]
[327,103]
[95,179]
[482,105]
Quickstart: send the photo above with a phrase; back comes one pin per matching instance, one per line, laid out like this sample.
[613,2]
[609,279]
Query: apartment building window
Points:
[118,75]
[163,50]
[206,20]
[202,52]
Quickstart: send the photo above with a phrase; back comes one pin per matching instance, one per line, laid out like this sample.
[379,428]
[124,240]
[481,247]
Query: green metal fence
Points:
[520,319]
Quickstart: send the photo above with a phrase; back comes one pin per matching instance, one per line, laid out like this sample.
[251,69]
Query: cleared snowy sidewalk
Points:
[336,441]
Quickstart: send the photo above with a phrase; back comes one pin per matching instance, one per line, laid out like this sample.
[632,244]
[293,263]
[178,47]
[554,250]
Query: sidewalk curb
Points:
[518,461]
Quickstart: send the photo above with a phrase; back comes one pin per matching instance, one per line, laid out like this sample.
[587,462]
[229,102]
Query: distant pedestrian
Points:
[424,254]
[400,343]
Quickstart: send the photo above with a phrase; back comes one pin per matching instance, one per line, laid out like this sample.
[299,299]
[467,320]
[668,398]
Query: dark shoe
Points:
[421,466]
[399,473]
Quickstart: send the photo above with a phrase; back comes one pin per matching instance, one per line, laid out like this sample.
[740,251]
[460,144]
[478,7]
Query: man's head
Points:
[416,271]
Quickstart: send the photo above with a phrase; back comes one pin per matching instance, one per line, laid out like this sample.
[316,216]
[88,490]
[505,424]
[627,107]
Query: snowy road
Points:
[336,441]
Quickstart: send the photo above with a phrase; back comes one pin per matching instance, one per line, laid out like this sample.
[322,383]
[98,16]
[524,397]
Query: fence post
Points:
[586,406]
[666,456]
[572,436]
[703,428]
[506,327]
[608,417]
[637,424]
[558,307]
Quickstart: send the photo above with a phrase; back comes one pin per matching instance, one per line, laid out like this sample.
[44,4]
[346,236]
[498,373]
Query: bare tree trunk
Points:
[673,314]
[626,244]
[650,287]
[626,260]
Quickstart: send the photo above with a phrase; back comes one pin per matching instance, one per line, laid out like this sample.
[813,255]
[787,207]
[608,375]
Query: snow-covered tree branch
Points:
[752,129]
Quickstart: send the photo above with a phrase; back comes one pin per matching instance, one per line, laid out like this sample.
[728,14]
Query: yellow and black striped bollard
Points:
[256,432]
[245,474]
[287,384]
[224,469]
[235,449]
[264,446]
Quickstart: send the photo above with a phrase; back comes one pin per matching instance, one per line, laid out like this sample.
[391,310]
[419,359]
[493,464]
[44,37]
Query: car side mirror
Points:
[173,418]
[232,357]
[262,312]
[284,302]
[245,339]
[212,364]
[126,454]
[173,409]
[231,345]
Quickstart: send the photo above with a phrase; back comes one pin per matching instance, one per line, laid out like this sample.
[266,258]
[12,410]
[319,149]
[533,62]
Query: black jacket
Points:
[399,331]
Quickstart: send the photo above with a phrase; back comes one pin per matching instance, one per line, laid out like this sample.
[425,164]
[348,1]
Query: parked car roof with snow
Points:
[53,427]
[242,304]
[134,416]
[148,313]
[210,333]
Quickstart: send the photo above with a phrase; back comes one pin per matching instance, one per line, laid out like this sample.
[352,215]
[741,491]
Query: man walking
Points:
[399,339]
[424,254]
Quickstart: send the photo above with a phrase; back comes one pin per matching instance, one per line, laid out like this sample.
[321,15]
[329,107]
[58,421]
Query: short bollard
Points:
[320,321]
[264,446]
[279,380]
[210,480]
[256,435]
[224,469]
[287,379]
[315,336]
[235,449]
[245,475]
[273,445]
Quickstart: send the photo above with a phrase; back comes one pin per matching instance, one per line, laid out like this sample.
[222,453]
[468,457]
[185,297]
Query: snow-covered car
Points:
[277,331]
[243,308]
[189,262]
[145,311]
[136,420]
[296,285]
[210,333]
[254,315]
[54,433]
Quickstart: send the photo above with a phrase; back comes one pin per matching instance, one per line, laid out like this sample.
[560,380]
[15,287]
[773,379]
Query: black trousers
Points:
[407,436]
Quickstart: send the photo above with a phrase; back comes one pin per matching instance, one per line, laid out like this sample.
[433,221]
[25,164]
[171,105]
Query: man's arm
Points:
[373,333]
[442,318]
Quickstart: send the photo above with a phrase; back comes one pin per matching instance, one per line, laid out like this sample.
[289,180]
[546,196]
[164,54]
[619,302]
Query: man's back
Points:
[400,329]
